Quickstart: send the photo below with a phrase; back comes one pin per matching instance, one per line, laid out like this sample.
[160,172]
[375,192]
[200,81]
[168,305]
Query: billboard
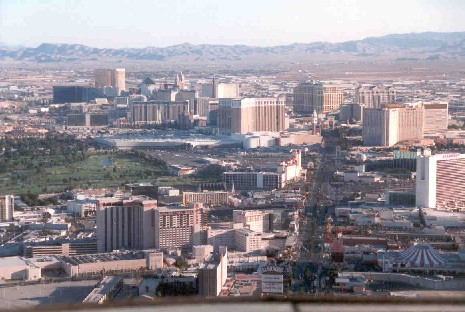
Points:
[276,288]
[272,278]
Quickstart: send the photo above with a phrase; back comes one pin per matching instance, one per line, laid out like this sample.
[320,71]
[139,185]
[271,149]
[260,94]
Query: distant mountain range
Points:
[397,47]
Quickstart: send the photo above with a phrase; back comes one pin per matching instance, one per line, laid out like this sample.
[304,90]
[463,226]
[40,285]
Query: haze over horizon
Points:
[119,24]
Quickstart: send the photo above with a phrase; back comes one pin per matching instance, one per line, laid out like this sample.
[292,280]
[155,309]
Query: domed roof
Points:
[421,255]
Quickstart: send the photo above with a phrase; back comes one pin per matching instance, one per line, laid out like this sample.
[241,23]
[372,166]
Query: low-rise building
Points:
[286,172]
[211,198]
[115,261]
[18,268]
[108,287]
[82,207]
[60,248]
[222,234]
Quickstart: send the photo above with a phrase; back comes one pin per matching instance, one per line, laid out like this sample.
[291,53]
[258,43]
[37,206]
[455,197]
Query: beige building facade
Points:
[247,240]
[125,223]
[213,273]
[7,203]
[255,220]
[315,96]
[110,78]
[156,112]
[251,115]
[436,116]
[392,124]
[333,98]
[211,198]
[375,96]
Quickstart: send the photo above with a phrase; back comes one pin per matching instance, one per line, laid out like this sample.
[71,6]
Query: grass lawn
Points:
[99,170]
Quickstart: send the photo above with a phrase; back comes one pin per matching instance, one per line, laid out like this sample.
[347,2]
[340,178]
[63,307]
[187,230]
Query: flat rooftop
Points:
[12,262]
[103,257]
[174,208]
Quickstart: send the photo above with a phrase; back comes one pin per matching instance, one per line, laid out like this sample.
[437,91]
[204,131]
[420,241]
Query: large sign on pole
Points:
[272,280]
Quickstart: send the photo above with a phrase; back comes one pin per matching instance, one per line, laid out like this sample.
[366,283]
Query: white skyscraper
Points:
[439,181]
[7,203]
[120,78]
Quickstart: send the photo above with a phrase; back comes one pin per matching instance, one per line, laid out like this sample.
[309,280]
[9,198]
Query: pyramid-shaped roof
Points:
[148,81]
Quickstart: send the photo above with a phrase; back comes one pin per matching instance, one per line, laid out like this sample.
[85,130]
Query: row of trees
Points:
[36,153]
[175,289]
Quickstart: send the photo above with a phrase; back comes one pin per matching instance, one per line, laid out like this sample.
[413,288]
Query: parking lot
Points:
[30,296]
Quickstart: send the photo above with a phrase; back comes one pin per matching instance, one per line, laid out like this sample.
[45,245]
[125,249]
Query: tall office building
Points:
[251,115]
[439,181]
[392,124]
[374,96]
[125,223]
[110,78]
[213,273]
[7,203]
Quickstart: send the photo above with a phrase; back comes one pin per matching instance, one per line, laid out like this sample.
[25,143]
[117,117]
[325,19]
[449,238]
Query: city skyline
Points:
[168,152]
[106,25]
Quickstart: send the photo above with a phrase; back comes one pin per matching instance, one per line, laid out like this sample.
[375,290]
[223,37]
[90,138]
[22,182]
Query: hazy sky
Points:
[141,23]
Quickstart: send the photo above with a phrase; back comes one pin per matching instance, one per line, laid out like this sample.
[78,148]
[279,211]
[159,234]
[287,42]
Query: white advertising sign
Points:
[276,288]
[272,278]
